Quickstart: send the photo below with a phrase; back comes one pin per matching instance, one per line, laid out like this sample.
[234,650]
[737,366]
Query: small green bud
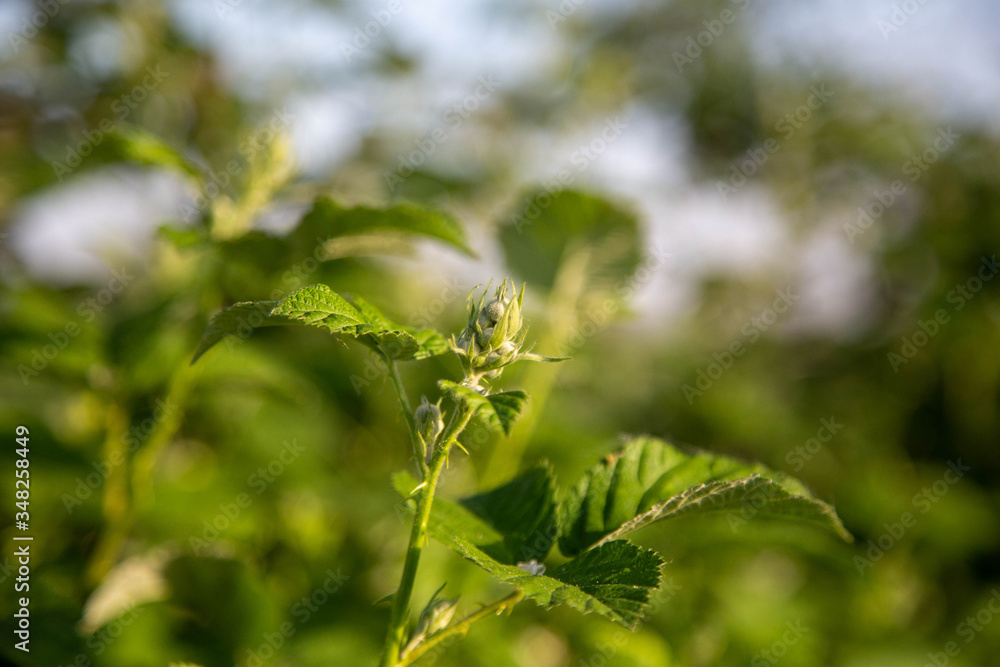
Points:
[506,348]
[428,418]
[435,617]
[494,310]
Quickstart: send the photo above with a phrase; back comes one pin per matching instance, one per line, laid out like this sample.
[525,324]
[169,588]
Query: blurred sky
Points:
[943,58]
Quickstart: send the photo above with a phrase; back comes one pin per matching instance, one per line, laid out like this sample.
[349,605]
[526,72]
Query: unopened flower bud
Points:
[494,310]
[428,418]
[435,617]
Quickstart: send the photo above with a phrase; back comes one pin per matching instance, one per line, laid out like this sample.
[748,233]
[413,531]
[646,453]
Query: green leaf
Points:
[500,411]
[329,219]
[546,227]
[139,145]
[319,306]
[523,511]
[650,481]
[395,341]
[614,580]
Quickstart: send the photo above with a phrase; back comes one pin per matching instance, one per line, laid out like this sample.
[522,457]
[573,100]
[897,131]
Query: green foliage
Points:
[139,145]
[524,511]
[499,529]
[650,481]
[331,220]
[508,530]
[500,411]
[319,306]
[133,450]
[549,226]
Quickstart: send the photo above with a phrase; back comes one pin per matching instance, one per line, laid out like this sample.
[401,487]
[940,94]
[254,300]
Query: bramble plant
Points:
[510,531]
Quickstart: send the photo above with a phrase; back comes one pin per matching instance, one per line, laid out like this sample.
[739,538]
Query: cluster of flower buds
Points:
[493,337]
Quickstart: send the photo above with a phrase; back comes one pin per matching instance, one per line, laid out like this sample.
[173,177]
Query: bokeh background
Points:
[840,158]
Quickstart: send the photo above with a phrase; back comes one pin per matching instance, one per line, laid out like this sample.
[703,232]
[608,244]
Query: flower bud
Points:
[493,334]
[428,418]
[494,310]
[435,617]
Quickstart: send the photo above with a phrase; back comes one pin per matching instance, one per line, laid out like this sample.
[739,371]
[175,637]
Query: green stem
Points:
[418,537]
[419,452]
[459,629]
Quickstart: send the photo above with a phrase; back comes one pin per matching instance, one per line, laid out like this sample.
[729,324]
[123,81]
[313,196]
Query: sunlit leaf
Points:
[319,306]
[650,481]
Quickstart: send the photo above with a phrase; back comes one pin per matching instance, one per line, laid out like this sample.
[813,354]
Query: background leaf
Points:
[329,219]
[650,480]
[137,144]
[537,237]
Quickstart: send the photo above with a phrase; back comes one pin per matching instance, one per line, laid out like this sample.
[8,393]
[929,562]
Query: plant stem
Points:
[459,629]
[418,537]
[418,447]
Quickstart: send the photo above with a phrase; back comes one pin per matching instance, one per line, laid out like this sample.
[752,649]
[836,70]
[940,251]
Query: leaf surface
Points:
[320,307]
[649,481]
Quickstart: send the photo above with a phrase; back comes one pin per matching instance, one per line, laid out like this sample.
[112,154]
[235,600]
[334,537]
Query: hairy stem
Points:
[458,630]
[418,537]
[419,452]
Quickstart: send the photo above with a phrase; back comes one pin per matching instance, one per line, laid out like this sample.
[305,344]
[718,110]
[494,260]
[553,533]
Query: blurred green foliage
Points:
[239,512]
